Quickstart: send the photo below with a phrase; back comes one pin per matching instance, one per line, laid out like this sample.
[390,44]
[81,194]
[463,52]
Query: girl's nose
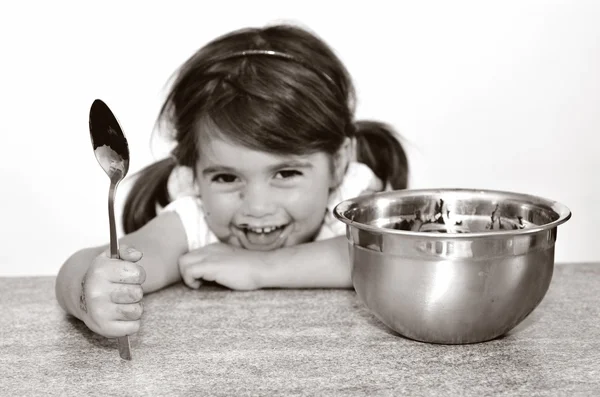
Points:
[258,201]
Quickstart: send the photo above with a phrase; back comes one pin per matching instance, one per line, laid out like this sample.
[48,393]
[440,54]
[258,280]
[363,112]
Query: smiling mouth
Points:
[263,230]
[263,238]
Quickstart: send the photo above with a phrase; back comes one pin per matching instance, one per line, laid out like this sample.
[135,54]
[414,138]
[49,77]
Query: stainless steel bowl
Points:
[459,279]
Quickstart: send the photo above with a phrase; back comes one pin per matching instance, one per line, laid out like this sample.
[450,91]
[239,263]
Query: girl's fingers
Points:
[125,272]
[185,262]
[128,312]
[193,273]
[116,329]
[189,280]
[129,253]
[126,253]
[113,321]
[127,293]
[376,184]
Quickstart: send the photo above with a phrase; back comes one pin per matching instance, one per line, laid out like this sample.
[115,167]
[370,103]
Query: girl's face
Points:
[262,201]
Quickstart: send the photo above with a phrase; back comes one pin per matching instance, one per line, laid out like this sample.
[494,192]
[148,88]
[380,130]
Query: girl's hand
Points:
[111,294]
[375,186]
[229,266]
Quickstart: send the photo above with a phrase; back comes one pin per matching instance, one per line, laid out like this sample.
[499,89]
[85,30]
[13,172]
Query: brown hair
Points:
[265,103]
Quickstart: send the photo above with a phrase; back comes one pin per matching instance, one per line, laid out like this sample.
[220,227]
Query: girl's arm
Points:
[161,241]
[319,264]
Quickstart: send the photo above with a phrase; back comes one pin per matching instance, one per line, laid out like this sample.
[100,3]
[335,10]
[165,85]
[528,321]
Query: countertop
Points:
[219,342]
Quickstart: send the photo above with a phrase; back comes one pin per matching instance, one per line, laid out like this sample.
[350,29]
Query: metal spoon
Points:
[112,152]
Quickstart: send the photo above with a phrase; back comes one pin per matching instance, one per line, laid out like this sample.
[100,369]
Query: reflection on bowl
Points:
[451,265]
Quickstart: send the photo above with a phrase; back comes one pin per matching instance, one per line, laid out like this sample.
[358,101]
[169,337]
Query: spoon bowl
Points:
[109,142]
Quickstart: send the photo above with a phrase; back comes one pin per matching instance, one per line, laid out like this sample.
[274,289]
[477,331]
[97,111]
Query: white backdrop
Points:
[501,95]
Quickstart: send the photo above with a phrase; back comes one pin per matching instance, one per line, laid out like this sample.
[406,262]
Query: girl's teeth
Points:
[263,229]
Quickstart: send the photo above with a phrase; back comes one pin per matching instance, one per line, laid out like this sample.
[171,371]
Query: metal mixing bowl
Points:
[456,280]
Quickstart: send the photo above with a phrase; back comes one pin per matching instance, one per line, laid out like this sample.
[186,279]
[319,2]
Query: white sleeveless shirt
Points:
[188,205]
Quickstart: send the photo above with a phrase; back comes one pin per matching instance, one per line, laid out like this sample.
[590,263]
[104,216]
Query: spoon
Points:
[112,152]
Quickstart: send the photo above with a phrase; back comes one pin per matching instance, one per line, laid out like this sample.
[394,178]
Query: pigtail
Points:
[378,147]
[149,189]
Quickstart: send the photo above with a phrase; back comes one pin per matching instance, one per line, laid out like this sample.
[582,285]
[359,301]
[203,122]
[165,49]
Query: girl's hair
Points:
[266,103]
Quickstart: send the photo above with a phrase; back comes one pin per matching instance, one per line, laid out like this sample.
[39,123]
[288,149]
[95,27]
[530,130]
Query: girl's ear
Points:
[341,158]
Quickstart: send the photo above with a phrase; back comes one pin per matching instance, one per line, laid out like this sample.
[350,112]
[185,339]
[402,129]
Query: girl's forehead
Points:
[215,150]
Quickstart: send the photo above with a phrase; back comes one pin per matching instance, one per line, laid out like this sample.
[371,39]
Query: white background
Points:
[500,95]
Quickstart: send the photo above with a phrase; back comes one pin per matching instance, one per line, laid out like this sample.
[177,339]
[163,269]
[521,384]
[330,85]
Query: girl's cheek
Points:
[296,201]
[219,208]
[303,203]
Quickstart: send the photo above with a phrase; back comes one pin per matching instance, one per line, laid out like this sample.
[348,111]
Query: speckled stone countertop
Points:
[218,342]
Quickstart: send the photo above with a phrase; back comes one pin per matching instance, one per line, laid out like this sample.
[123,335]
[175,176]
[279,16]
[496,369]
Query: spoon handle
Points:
[123,341]
[114,241]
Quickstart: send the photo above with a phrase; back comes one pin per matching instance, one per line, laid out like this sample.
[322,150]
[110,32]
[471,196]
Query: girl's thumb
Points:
[129,253]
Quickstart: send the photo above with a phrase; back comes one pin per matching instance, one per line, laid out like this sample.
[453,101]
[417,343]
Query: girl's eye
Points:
[286,174]
[224,178]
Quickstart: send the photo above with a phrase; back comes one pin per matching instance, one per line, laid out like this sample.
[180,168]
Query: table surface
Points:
[293,342]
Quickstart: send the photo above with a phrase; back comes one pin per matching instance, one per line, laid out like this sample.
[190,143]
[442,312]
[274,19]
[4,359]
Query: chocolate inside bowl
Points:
[451,265]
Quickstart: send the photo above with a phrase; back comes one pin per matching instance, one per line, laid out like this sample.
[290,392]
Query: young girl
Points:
[266,146]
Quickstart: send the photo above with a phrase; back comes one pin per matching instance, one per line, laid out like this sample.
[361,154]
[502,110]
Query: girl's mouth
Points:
[263,238]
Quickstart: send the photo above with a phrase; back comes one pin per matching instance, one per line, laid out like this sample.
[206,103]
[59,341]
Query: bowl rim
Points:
[564,213]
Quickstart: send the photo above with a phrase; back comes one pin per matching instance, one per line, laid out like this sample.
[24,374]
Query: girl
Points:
[265,147]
